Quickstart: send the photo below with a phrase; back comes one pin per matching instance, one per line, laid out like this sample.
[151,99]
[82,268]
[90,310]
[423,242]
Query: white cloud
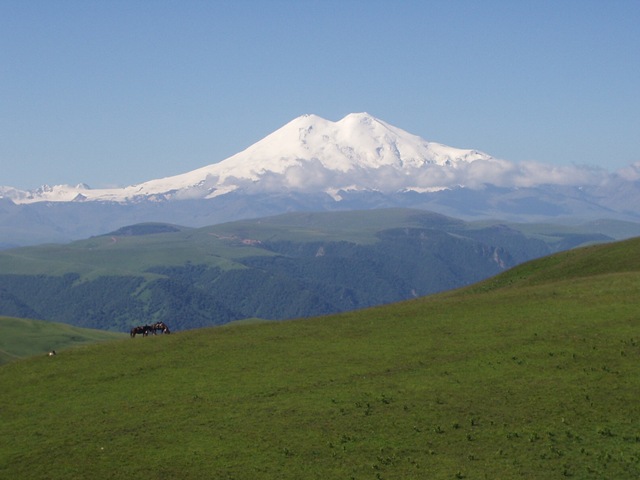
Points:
[313,176]
[533,173]
[630,173]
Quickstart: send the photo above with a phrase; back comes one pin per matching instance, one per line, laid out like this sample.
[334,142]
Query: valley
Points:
[288,266]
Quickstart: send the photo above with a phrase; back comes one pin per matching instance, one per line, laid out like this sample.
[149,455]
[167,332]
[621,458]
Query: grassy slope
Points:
[533,374]
[218,245]
[21,338]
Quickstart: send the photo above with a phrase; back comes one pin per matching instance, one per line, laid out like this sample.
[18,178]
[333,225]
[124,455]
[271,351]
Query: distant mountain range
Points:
[312,164]
[290,265]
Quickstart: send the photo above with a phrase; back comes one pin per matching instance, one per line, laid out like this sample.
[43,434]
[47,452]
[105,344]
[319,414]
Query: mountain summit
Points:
[308,155]
[313,164]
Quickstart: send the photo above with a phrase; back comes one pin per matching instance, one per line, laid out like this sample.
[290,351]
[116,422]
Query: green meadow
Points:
[532,374]
[21,338]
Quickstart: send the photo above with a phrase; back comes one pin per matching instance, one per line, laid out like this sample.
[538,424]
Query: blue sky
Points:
[120,92]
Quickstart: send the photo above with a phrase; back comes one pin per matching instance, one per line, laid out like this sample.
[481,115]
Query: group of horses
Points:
[147,329]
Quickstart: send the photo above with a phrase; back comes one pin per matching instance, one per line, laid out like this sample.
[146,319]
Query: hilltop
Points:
[530,374]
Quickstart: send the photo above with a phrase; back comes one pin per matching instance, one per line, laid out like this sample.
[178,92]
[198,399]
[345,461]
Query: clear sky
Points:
[113,93]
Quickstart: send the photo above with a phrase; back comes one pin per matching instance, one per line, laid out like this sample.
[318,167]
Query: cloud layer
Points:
[312,176]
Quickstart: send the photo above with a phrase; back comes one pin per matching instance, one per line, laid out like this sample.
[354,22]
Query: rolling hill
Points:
[292,265]
[20,338]
[530,374]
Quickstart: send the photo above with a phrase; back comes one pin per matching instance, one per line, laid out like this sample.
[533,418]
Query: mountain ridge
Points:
[291,265]
[312,164]
[323,151]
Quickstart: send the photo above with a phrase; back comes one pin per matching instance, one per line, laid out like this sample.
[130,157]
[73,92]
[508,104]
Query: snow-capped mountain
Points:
[309,154]
[313,164]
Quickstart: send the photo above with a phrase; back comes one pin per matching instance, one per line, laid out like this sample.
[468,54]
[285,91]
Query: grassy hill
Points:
[21,338]
[532,374]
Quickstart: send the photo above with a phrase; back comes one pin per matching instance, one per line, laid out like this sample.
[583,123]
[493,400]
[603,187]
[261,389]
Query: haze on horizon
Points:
[118,93]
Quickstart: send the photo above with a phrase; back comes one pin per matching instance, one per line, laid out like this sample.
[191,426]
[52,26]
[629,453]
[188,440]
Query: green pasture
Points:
[127,255]
[532,374]
[20,338]
[359,226]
